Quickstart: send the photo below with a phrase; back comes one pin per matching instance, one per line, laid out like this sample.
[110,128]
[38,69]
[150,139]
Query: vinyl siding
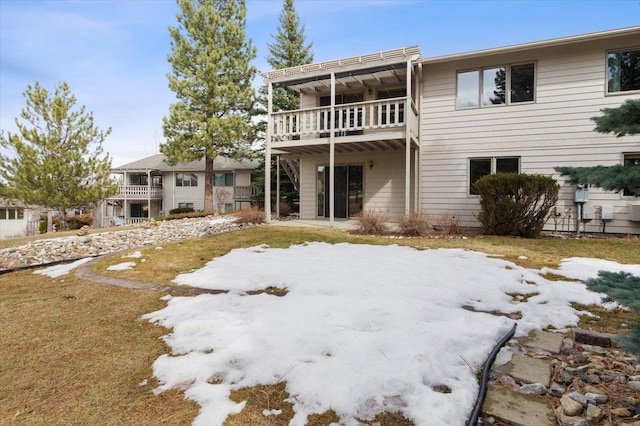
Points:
[555,130]
[173,195]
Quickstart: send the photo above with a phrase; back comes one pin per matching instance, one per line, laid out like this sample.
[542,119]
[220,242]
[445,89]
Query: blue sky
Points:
[113,53]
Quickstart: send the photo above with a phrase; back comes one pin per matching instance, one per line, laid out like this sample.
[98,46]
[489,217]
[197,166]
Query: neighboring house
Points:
[150,188]
[17,220]
[414,133]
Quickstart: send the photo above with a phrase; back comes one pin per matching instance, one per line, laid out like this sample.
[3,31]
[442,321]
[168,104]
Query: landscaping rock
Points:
[74,247]
[594,414]
[593,338]
[570,406]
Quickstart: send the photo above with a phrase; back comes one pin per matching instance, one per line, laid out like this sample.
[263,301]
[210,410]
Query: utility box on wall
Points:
[581,193]
[607,213]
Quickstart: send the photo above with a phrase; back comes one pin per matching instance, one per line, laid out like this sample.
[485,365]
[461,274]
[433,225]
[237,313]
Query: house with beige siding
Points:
[394,131]
[17,220]
[150,188]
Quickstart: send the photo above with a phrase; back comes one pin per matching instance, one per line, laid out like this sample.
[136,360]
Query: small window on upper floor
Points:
[496,86]
[186,179]
[623,71]
[223,179]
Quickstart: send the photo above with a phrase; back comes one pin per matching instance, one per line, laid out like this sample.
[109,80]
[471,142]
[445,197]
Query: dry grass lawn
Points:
[74,352]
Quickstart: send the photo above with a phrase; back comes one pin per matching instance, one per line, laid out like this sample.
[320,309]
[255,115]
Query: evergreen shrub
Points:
[181,210]
[515,204]
[623,288]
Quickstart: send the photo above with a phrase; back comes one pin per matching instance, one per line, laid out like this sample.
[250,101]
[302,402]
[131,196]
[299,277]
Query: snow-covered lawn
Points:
[362,329]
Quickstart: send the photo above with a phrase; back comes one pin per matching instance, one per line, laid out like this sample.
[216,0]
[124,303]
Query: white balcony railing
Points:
[244,192]
[139,191]
[350,119]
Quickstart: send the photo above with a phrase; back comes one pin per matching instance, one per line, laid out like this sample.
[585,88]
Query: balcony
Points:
[244,192]
[373,125]
[138,192]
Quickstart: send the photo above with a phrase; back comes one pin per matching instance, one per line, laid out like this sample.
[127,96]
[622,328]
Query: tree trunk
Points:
[208,184]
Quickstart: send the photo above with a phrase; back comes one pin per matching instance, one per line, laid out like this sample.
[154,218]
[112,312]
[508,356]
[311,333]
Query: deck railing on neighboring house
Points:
[350,119]
[121,220]
[245,192]
[138,191]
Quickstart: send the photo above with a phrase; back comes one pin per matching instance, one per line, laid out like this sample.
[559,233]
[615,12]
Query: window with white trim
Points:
[623,71]
[500,85]
[185,205]
[223,179]
[480,167]
[186,179]
[11,213]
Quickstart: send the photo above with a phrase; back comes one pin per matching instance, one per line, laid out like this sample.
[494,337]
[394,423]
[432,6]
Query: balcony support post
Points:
[278,186]
[408,123]
[332,153]
[148,194]
[267,154]
[124,203]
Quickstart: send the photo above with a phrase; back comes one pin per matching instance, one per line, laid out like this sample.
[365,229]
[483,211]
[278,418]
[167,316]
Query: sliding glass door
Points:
[348,194]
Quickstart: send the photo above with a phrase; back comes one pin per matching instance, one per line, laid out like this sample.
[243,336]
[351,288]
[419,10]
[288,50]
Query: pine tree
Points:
[57,159]
[623,288]
[621,121]
[289,49]
[211,78]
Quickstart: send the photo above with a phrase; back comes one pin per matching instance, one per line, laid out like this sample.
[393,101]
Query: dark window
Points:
[138,179]
[631,160]
[522,83]
[480,167]
[223,179]
[507,165]
[623,71]
[185,205]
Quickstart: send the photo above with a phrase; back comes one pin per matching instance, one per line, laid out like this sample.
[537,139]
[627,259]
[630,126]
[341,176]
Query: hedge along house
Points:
[415,133]
[149,188]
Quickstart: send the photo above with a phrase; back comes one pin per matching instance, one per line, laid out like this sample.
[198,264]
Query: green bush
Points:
[623,288]
[181,210]
[515,204]
[182,216]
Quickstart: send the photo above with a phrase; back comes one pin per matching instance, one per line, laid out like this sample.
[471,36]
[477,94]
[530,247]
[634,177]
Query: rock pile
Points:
[585,384]
[85,245]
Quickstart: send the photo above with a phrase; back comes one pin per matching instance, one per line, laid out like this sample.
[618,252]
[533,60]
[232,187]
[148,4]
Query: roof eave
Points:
[533,45]
[404,54]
